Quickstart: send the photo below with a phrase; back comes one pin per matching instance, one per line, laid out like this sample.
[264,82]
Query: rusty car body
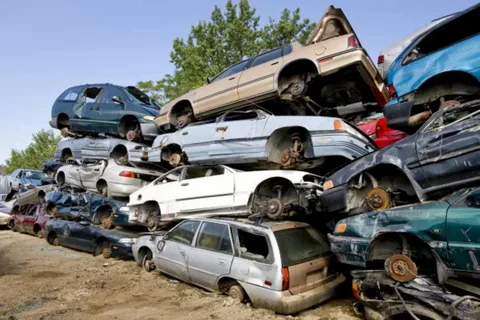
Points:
[29,219]
[257,139]
[443,155]
[339,73]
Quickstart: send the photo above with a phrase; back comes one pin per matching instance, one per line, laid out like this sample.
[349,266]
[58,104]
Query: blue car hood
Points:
[152,111]
[35,182]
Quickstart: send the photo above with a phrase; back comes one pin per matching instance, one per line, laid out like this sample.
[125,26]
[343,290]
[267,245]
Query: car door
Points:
[238,134]
[212,255]
[165,190]
[95,148]
[455,149]
[463,233]
[86,110]
[222,90]
[15,179]
[259,78]
[110,110]
[90,173]
[172,251]
[82,235]
[205,188]
[30,218]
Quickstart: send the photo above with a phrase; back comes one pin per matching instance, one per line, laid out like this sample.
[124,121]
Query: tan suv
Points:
[333,71]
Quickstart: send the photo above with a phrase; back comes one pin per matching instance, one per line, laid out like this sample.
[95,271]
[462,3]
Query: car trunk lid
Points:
[333,23]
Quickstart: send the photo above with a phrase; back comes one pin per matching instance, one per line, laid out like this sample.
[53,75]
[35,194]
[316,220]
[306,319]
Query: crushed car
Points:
[436,238]
[99,148]
[443,155]
[83,235]
[23,179]
[331,75]
[110,109]
[250,261]
[440,68]
[106,177]
[29,219]
[213,190]
[381,298]
[257,139]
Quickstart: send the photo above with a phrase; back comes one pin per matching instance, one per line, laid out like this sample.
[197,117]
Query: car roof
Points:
[258,224]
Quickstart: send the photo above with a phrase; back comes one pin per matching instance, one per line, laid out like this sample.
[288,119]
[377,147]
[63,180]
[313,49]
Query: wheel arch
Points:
[100,212]
[276,142]
[169,148]
[174,109]
[292,67]
[101,183]
[63,120]
[141,253]
[123,123]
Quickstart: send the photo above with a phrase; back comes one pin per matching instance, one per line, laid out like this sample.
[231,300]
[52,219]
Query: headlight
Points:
[124,209]
[327,185]
[340,228]
[148,118]
[127,240]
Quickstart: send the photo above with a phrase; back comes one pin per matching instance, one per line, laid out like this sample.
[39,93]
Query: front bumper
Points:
[149,130]
[284,302]
[334,200]
[121,250]
[53,123]
[349,250]
[121,220]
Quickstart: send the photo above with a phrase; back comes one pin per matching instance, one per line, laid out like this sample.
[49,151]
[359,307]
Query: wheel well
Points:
[387,244]
[291,71]
[265,191]
[63,121]
[225,283]
[119,151]
[127,123]
[177,108]
[41,195]
[101,213]
[101,240]
[452,83]
[280,140]
[66,152]
[167,150]
[149,206]
[51,236]
[49,207]
[101,184]
[36,228]
[60,177]
[141,253]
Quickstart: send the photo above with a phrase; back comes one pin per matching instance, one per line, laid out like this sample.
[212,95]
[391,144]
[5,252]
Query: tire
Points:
[237,293]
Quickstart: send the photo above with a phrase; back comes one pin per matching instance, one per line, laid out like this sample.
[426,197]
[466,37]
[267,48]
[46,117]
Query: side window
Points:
[202,172]
[239,67]
[90,94]
[240,115]
[271,55]
[71,94]
[471,200]
[449,117]
[254,246]
[215,237]
[170,176]
[107,96]
[184,232]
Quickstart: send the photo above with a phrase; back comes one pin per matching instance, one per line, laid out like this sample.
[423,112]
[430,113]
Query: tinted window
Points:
[184,232]
[71,94]
[202,172]
[254,246]
[312,244]
[239,67]
[215,237]
[271,55]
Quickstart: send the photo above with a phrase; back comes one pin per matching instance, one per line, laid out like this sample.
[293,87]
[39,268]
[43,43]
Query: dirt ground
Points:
[39,281]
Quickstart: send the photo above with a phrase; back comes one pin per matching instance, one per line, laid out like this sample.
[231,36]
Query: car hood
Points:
[153,111]
[333,23]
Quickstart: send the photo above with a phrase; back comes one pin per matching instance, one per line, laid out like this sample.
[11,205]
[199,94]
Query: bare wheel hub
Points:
[185,117]
[401,268]
[293,155]
[64,132]
[274,208]
[297,88]
[379,199]
[448,103]
[132,135]
[175,159]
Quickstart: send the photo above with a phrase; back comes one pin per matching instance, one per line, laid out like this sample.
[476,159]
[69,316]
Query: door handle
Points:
[96,169]
[221,128]
[231,78]
[222,262]
[182,253]
[273,63]
[184,184]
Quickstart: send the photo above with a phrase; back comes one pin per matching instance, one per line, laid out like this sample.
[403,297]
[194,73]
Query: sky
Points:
[47,46]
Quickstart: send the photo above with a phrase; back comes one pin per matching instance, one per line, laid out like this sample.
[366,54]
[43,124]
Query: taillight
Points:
[285,279]
[381,59]
[391,90]
[353,42]
[128,174]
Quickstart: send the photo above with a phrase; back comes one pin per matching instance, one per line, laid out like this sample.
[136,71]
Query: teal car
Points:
[440,237]
[109,109]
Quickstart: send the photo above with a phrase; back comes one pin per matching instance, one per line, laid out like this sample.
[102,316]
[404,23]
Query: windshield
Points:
[311,243]
[139,96]
[35,175]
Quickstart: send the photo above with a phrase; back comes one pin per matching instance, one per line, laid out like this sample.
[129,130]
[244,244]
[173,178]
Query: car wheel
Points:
[147,262]
[237,293]
[152,223]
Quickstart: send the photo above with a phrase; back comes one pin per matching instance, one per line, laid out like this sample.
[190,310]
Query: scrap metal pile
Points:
[232,172]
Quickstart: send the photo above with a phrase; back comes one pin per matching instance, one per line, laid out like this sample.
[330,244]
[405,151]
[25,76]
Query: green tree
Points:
[228,37]
[35,154]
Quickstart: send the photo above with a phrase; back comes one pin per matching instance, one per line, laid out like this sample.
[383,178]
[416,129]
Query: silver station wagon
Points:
[262,140]
[251,261]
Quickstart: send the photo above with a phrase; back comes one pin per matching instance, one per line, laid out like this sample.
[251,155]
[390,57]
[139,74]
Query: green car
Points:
[438,237]
[114,110]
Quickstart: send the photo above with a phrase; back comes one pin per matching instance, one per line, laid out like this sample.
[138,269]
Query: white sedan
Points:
[220,190]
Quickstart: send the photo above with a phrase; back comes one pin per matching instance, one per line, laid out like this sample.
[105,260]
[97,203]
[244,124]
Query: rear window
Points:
[299,245]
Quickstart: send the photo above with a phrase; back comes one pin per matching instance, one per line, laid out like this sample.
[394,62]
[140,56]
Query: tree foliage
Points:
[37,152]
[228,37]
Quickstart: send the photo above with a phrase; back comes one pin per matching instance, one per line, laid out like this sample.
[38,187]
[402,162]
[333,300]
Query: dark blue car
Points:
[83,235]
[23,179]
[120,111]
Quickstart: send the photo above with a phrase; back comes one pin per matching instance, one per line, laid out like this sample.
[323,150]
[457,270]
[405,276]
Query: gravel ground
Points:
[39,281]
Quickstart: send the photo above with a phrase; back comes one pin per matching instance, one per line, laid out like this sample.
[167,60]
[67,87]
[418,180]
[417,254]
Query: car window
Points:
[136,95]
[184,232]
[239,67]
[90,94]
[240,115]
[202,172]
[170,176]
[71,94]
[447,34]
[215,237]
[110,93]
[36,175]
[254,246]
[268,56]
[450,116]
[313,245]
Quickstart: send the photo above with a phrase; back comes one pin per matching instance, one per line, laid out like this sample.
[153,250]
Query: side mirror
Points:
[84,223]
[473,200]
[160,245]
[209,80]
[117,99]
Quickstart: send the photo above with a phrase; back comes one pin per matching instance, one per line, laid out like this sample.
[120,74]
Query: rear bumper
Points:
[334,200]
[349,250]
[120,250]
[126,187]
[285,303]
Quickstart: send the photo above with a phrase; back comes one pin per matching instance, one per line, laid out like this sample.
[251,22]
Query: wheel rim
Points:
[401,268]
[379,199]
[174,159]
